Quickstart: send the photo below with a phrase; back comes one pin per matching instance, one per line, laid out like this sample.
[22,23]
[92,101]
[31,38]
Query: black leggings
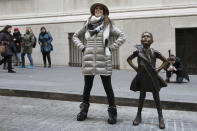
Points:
[106,80]
[46,55]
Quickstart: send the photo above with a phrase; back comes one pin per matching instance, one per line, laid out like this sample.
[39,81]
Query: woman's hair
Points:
[28,28]
[42,28]
[5,29]
[107,20]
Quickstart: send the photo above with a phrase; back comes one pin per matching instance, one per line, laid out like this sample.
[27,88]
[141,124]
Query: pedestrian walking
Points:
[7,48]
[28,41]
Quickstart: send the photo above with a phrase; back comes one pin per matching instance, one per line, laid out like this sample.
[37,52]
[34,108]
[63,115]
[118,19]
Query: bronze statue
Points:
[147,78]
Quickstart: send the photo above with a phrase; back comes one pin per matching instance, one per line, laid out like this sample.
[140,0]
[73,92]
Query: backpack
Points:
[34,44]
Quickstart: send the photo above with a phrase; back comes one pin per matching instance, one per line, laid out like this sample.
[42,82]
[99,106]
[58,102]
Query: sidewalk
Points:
[66,83]
[30,114]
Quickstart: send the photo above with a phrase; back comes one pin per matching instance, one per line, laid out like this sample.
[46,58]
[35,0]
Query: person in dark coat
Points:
[175,66]
[17,41]
[7,39]
[45,40]
[147,78]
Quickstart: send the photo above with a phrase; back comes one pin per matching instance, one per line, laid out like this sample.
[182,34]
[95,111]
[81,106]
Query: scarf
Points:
[93,27]
[43,33]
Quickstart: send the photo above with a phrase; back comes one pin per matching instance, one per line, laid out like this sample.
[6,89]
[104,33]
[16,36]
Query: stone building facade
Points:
[173,24]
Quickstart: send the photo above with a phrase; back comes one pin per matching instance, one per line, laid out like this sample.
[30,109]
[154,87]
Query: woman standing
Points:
[17,41]
[6,40]
[26,47]
[45,40]
[97,56]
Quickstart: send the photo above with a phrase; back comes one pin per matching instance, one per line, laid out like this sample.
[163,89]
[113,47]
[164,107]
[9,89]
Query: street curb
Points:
[169,105]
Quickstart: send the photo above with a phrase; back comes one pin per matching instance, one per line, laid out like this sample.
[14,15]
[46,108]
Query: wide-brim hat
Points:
[105,9]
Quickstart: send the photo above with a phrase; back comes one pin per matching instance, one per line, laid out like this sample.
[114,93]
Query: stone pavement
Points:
[31,114]
[69,80]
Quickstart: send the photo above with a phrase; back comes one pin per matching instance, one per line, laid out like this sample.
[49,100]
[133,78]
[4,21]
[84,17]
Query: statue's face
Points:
[146,39]
[98,11]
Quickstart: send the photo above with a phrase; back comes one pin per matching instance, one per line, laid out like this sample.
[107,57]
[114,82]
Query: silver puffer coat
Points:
[94,60]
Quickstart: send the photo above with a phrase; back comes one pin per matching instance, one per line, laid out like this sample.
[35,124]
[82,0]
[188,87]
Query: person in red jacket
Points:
[17,41]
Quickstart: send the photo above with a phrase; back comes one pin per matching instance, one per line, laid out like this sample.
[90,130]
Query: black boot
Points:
[9,61]
[11,71]
[112,112]
[4,66]
[83,112]
[138,118]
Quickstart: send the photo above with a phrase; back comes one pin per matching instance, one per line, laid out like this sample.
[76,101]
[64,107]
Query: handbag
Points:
[47,48]
[2,49]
